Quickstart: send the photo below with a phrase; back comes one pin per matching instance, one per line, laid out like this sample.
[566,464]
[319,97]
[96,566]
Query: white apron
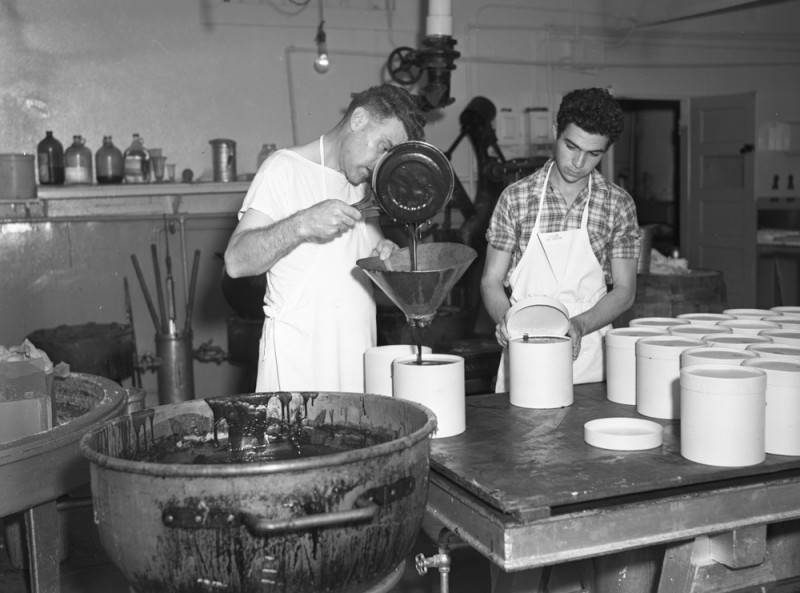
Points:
[562,265]
[317,342]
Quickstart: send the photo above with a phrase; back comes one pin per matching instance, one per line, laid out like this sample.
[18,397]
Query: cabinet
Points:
[778,247]
[66,254]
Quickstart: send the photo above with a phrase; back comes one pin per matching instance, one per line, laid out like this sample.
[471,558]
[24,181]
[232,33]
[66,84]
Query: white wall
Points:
[186,71]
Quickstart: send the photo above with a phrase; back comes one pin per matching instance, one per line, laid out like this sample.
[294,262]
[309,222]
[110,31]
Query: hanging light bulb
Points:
[321,63]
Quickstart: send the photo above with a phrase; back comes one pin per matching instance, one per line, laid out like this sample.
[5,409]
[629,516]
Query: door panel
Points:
[720,224]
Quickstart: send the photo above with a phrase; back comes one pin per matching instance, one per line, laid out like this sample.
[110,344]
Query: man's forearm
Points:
[254,251]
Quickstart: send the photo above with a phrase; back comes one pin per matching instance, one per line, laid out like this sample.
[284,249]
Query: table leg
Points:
[42,535]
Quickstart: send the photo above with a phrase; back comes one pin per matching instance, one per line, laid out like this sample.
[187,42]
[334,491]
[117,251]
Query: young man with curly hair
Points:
[298,226]
[568,233]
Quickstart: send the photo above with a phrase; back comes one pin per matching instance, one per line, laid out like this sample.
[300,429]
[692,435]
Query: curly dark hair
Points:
[388,100]
[594,110]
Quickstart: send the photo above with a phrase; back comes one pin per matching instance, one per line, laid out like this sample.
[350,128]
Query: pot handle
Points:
[259,526]
[367,506]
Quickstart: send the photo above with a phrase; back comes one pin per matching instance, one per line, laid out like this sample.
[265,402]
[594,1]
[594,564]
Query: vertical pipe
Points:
[176,369]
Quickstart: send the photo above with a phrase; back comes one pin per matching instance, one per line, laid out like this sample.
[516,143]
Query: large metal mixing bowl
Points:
[44,466]
[333,523]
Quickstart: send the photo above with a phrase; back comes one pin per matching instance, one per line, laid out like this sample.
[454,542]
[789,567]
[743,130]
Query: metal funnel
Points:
[419,293]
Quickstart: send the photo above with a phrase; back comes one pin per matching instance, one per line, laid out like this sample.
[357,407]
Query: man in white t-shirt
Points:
[297,225]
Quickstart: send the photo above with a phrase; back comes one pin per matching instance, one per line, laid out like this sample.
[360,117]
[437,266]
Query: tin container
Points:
[735,340]
[699,332]
[437,384]
[712,355]
[378,365]
[657,375]
[223,159]
[777,351]
[704,318]
[17,177]
[748,325]
[722,414]
[782,420]
[540,372]
[620,351]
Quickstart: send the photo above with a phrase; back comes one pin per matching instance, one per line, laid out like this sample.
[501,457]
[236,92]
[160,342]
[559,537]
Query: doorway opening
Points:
[646,162]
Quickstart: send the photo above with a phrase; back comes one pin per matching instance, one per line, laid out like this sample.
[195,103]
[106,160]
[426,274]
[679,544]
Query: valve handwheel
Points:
[403,66]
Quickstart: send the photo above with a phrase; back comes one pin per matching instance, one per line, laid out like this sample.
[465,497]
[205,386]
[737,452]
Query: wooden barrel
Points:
[104,349]
[669,295]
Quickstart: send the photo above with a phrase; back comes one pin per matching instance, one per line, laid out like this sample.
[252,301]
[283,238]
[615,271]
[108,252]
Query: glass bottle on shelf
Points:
[266,150]
[50,157]
[137,161]
[109,162]
[78,162]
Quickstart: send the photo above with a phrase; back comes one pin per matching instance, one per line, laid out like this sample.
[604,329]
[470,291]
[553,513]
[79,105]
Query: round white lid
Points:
[537,316]
[623,434]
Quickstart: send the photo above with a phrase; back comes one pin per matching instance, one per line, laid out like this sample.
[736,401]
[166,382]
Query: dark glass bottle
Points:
[109,163]
[50,157]
[137,162]
[78,162]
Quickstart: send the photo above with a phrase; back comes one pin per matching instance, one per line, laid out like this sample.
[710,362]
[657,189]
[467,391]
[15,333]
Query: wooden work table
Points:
[523,488]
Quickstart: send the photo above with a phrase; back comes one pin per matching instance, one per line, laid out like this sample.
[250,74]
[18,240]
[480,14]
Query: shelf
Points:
[129,190]
[128,200]
[778,203]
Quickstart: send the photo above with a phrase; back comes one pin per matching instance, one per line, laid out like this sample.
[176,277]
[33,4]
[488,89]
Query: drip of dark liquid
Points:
[412,245]
[412,250]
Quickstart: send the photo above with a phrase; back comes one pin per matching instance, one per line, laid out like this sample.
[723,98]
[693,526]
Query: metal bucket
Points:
[338,523]
[17,177]
[223,159]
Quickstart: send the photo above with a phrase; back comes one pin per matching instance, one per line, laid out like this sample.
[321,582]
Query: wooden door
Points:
[719,221]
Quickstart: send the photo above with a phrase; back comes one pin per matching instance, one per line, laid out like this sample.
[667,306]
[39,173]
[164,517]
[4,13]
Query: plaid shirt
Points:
[612,222]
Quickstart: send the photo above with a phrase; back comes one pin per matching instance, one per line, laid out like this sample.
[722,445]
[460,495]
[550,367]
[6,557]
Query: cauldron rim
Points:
[173,470]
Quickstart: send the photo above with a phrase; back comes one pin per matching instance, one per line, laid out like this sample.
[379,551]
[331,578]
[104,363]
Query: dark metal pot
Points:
[336,523]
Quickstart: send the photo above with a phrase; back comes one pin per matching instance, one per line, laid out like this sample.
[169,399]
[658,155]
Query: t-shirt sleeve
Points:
[501,232]
[270,191]
[626,236]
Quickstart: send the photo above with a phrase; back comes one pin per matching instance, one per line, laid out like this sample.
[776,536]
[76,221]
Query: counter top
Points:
[123,200]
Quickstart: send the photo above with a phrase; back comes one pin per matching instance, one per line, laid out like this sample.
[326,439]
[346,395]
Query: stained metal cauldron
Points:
[337,523]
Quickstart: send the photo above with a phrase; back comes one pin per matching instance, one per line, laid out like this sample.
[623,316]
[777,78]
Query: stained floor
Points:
[86,569]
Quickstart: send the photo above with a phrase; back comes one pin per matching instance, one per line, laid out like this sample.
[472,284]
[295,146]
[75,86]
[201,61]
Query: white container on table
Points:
[704,318]
[541,372]
[698,332]
[782,336]
[664,322]
[539,354]
[785,321]
[784,352]
[620,355]
[715,355]
[790,310]
[782,421]
[749,313]
[740,341]
[438,384]
[378,365]
[750,327]
[658,370]
[723,412]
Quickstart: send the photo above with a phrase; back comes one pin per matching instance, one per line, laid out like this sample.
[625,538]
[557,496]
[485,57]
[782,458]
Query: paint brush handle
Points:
[192,290]
[162,305]
[147,298]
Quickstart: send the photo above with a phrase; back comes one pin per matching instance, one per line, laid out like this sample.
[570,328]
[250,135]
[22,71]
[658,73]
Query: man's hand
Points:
[327,220]
[501,330]
[576,335]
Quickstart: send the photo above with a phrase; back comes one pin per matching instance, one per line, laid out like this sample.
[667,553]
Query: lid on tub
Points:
[537,316]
